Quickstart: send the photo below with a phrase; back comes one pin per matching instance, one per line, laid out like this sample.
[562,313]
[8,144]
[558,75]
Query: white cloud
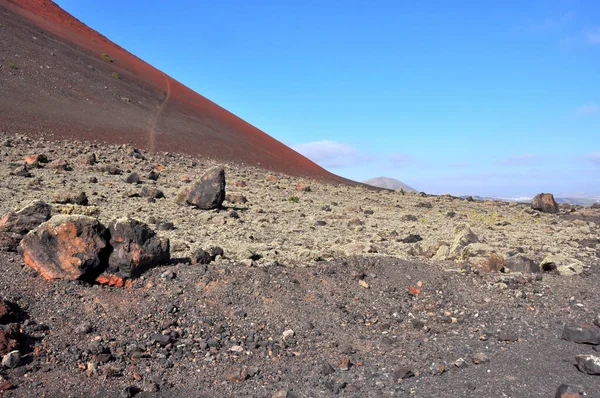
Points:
[519,160]
[332,154]
[594,157]
[587,109]
[593,37]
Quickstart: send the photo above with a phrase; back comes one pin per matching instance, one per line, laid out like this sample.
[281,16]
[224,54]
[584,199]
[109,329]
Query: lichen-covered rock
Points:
[209,192]
[13,226]
[545,203]
[463,237]
[71,197]
[520,263]
[135,248]
[67,247]
[561,264]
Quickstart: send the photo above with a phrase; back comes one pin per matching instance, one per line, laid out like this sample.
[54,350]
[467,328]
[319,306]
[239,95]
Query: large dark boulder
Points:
[135,248]
[545,203]
[209,192]
[13,226]
[67,247]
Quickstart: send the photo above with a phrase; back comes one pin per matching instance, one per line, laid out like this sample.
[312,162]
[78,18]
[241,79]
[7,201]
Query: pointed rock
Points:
[209,192]
[545,203]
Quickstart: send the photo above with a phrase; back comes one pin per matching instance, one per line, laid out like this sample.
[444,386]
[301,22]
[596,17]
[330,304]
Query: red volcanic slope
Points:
[63,86]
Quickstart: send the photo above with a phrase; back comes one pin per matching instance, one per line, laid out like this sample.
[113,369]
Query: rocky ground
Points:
[321,289]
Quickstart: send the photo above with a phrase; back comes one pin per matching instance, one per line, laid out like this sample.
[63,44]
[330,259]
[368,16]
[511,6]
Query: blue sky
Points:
[462,97]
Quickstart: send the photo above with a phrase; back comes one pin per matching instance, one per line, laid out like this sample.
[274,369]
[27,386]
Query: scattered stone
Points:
[133,178]
[238,375]
[12,359]
[83,328]
[589,364]
[327,369]
[71,197]
[152,192]
[59,165]
[583,334]
[463,237]
[153,176]
[545,203]
[111,169]
[209,192]
[280,394]
[288,334]
[520,263]
[412,238]
[135,248]
[344,364]
[200,256]
[66,247]
[35,160]
[480,358]
[562,265]
[22,171]
[162,225]
[403,374]
[235,198]
[13,226]
[88,159]
[567,391]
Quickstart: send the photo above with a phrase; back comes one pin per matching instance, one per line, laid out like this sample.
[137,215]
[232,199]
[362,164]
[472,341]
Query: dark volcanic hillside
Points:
[59,77]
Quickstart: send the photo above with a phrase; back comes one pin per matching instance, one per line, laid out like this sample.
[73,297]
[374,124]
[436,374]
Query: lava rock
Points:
[201,256]
[66,247]
[545,203]
[589,364]
[135,248]
[209,192]
[13,226]
[584,334]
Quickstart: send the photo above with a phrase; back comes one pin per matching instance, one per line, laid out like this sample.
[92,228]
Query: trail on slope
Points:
[159,111]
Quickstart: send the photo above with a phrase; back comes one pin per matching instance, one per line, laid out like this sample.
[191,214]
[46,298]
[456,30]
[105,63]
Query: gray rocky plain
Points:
[128,273]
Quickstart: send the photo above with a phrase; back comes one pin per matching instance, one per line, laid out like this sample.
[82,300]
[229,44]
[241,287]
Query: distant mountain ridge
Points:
[388,183]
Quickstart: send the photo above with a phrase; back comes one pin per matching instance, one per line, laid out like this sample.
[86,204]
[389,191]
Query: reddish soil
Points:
[61,86]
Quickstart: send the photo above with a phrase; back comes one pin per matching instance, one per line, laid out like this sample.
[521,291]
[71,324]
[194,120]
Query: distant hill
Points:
[388,183]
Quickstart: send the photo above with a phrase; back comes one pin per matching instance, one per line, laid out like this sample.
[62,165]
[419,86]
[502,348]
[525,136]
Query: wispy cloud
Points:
[587,109]
[519,160]
[399,159]
[332,154]
[553,24]
[593,36]
[594,157]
